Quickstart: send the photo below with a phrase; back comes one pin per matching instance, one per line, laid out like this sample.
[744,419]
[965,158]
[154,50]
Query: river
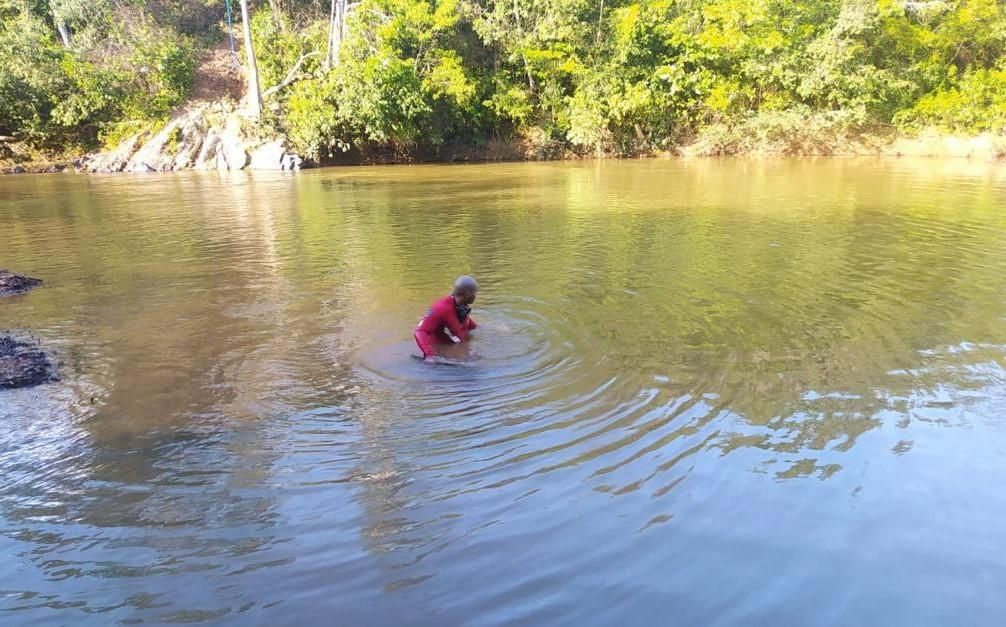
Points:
[707,393]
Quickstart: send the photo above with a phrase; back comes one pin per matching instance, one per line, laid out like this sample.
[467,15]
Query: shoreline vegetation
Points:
[980,148]
[113,86]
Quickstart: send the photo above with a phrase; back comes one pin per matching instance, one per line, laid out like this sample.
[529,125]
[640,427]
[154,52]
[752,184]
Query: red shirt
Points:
[439,320]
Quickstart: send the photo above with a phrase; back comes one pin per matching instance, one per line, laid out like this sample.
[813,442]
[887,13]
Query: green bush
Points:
[977,103]
[312,119]
[156,75]
[48,96]
[52,96]
[114,133]
[397,83]
[279,46]
[796,131]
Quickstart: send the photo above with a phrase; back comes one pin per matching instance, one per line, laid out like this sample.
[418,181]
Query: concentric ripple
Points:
[539,398]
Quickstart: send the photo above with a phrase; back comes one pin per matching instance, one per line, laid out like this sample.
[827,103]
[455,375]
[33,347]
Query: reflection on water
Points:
[732,392]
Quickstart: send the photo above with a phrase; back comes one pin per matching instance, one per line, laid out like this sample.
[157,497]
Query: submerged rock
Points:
[11,284]
[23,364]
[36,168]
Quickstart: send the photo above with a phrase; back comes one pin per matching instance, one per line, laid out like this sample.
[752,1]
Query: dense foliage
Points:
[71,69]
[611,76]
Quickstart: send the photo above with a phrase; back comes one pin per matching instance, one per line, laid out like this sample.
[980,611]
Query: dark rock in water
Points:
[11,284]
[23,364]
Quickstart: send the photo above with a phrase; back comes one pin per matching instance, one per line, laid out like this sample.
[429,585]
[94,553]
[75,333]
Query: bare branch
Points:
[291,76]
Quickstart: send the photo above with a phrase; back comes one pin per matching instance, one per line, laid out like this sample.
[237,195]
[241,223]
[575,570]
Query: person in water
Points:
[449,320]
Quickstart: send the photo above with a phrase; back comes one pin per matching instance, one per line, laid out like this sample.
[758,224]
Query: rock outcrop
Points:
[23,364]
[206,137]
[12,284]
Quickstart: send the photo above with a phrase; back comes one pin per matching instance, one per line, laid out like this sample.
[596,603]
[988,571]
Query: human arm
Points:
[428,330]
[425,342]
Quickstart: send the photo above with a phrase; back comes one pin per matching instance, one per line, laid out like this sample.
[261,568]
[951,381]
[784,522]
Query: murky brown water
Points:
[709,393]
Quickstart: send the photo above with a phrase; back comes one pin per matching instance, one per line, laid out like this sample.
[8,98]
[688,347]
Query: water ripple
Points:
[691,378]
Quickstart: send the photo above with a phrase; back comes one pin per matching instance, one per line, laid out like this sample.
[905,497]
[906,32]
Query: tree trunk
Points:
[520,38]
[336,32]
[61,27]
[277,15]
[340,29]
[253,91]
[600,24]
[331,36]
[64,32]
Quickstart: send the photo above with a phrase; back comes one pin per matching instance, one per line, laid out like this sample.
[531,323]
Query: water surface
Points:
[708,393]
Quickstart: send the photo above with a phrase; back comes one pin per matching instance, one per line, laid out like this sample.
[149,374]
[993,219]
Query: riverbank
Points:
[16,161]
[212,138]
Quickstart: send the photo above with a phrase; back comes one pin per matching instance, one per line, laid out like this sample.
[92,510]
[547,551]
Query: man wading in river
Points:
[449,320]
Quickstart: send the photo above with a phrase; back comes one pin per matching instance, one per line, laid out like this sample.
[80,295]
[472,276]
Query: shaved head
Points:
[465,284]
[465,289]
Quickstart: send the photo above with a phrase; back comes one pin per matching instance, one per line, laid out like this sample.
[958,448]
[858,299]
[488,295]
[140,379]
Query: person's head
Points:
[465,290]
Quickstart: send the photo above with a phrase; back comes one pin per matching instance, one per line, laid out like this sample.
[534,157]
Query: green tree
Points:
[398,82]
[556,76]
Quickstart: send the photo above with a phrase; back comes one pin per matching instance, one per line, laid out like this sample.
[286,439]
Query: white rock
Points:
[207,157]
[205,137]
[192,139]
[231,147]
[292,161]
[152,153]
[268,156]
[116,159]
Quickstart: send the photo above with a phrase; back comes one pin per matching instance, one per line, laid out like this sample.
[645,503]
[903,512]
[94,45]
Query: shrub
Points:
[48,96]
[976,104]
[793,131]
